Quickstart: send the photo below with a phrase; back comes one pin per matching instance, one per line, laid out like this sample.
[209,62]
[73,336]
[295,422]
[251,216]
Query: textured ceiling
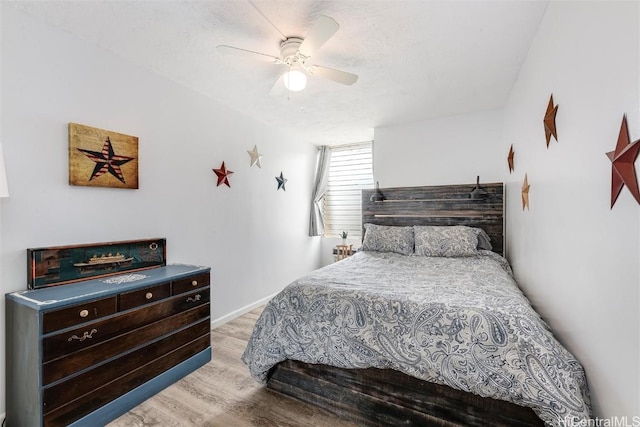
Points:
[415,59]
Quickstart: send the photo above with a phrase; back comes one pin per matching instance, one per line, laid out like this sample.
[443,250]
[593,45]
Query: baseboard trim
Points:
[237,313]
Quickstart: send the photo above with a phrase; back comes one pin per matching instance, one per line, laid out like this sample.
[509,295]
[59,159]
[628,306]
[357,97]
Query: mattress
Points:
[458,321]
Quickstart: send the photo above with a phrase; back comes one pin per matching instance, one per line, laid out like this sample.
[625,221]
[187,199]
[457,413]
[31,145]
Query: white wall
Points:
[2,346]
[576,258]
[254,237]
[448,150]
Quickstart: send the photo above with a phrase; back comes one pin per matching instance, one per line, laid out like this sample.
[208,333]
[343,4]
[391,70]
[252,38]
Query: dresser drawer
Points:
[144,296]
[77,314]
[65,366]
[190,283]
[68,342]
[105,393]
[76,387]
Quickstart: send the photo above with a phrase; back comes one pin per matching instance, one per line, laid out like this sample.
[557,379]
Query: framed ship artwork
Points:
[58,265]
[102,158]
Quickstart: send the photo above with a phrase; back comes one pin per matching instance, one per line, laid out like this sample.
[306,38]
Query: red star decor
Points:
[622,164]
[550,121]
[107,161]
[510,159]
[223,175]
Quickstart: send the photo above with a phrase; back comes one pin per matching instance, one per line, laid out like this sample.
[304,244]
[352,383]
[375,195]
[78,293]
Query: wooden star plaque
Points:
[102,158]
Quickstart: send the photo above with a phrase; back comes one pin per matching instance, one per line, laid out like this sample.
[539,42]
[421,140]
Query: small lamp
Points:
[478,193]
[295,80]
[4,188]
[377,196]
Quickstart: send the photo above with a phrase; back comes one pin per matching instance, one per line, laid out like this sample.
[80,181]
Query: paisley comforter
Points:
[462,322]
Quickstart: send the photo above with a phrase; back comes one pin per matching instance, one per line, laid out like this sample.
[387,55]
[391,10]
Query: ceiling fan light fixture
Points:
[295,80]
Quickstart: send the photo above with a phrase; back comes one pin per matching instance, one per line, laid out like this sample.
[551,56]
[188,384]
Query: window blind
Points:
[350,171]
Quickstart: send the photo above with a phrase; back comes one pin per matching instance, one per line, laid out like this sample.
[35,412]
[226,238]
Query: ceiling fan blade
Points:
[245,52]
[278,87]
[336,75]
[322,31]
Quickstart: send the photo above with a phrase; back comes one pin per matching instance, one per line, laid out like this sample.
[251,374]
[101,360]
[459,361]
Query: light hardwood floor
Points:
[222,393]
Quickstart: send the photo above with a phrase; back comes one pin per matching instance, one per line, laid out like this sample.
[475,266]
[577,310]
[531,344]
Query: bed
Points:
[429,331]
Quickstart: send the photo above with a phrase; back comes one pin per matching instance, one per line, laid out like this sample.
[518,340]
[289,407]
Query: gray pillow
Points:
[484,241]
[386,238]
[446,241]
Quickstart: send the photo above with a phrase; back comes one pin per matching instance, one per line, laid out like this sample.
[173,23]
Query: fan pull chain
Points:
[287,85]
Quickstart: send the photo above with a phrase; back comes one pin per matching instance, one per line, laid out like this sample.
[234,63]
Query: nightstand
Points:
[343,251]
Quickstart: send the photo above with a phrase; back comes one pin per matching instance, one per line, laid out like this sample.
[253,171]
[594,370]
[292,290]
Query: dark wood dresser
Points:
[83,354]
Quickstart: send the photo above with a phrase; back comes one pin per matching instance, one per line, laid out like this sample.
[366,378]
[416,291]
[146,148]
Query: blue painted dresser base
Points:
[130,400]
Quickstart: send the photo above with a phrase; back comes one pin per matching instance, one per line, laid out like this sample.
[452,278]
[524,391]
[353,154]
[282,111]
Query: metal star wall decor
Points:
[550,121]
[623,170]
[281,182]
[223,175]
[525,192]
[255,156]
[510,159]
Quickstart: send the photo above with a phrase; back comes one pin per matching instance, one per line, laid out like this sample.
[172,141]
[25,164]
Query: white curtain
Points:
[316,223]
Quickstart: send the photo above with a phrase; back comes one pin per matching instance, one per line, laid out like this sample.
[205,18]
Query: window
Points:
[350,171]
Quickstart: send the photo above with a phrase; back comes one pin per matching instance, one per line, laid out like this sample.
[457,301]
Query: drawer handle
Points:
[83,337]
[194,299]
[149,295]
[84,313]
[194,283]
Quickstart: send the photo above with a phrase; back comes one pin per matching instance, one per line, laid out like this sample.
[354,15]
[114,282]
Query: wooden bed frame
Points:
[376,397]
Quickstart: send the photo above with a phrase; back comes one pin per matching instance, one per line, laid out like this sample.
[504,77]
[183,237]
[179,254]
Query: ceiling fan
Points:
[296,53]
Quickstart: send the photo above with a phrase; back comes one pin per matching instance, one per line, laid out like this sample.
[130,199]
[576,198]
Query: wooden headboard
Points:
[439,205]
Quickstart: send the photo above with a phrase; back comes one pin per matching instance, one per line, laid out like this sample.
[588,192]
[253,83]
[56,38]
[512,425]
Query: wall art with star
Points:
[102,158]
